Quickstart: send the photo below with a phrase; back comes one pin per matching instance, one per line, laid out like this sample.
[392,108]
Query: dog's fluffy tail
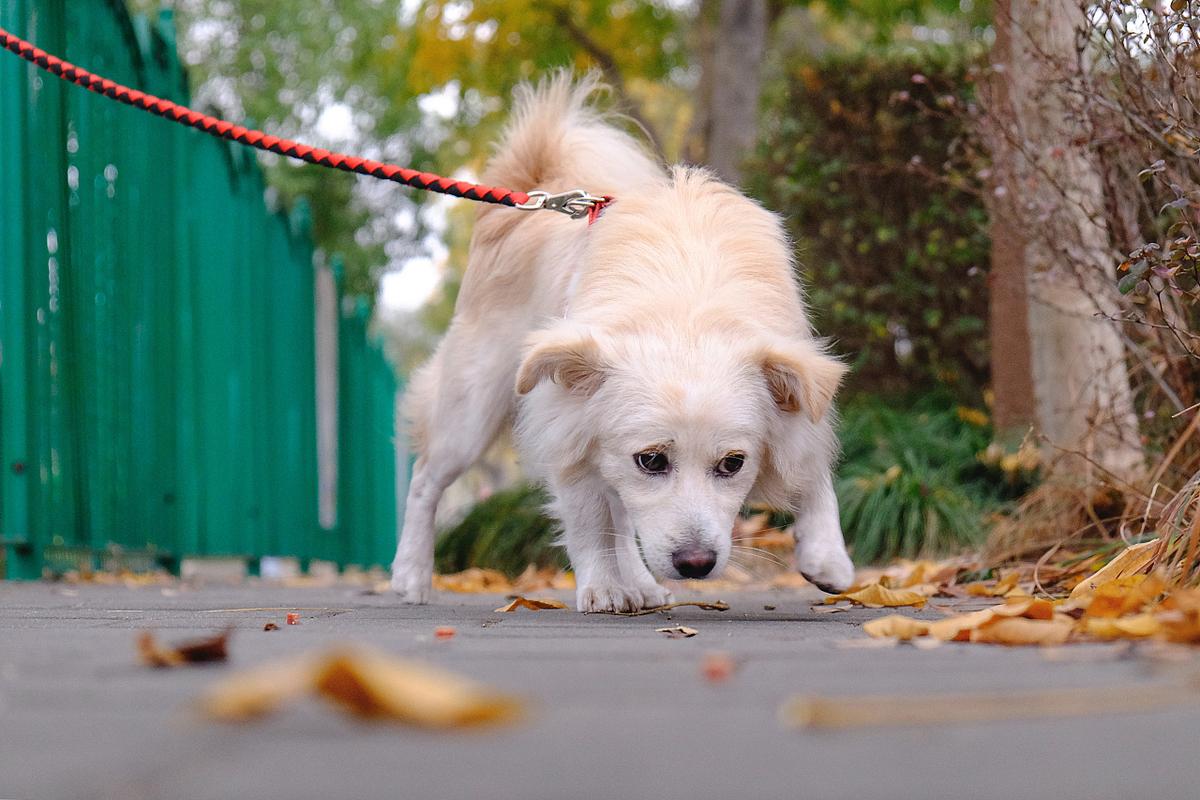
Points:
[556,139]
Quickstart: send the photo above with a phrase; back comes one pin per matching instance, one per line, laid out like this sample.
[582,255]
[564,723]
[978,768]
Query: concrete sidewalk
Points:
[617,709]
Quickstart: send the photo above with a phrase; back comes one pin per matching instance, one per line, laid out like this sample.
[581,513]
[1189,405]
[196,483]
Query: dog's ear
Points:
[570,358]
[802,378]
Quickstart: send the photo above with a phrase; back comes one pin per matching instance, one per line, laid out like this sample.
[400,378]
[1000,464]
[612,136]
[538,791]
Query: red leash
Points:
[576,203]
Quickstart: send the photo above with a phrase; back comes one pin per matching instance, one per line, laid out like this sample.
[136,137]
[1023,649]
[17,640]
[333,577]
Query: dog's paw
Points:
[411,582]
[613,597]
[825,565]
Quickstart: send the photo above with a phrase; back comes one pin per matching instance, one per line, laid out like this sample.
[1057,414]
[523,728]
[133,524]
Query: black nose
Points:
[694,562]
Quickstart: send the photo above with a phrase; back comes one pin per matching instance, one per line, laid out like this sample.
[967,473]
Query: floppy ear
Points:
[802,378]
[569,358]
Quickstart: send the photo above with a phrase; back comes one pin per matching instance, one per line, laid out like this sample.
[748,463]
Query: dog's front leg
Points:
[591,541]
[632,568]
[820,549]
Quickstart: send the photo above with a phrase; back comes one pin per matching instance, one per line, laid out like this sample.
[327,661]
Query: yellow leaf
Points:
[896,626]
[999,589]
[1136,627]
[363,683]
[473,580]
[875,595]
[1018,630]
[1124,595]
[958,628]
[371,685]
[259,691]
[1130,561]
[1027,607]
[533,604]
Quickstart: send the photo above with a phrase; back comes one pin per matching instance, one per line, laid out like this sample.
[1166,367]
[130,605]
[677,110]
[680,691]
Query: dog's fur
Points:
[675,323]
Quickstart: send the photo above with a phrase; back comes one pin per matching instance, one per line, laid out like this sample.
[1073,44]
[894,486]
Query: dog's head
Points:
[684,425]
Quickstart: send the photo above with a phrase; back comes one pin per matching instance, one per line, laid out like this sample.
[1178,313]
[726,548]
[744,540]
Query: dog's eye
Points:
[730,465]
[653,462]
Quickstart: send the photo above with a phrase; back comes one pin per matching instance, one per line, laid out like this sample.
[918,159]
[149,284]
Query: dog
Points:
[658,364]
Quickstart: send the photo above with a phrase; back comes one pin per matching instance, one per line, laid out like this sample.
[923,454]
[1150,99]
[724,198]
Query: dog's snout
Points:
[694,562]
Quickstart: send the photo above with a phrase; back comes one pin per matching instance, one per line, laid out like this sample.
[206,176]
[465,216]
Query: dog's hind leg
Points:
[460,402]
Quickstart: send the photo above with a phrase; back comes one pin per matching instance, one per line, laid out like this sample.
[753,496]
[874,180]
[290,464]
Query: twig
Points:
[717,606]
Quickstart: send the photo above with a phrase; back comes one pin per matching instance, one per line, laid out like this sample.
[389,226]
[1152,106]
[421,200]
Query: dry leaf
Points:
[378,687]
[998,589]
[537,580]
[958,628]
[474,581]
[270,626]
[533,604]
[859,711]
[1027,607]
[1124,595]
[876,595]
[1130,561]
[895,626]
[678,632]
[201,651]
[363,683]
[1136,627]
[1021,631]
[259,691]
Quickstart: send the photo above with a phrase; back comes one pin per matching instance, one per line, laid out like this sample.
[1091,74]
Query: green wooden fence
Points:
[157,355]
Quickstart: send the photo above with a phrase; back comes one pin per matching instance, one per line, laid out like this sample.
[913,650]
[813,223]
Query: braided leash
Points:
[576,203]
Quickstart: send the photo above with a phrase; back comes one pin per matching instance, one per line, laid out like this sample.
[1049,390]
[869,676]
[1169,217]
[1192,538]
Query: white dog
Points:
[659,363]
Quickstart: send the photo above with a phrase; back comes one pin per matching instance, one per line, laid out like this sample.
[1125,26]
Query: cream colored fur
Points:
[675,323]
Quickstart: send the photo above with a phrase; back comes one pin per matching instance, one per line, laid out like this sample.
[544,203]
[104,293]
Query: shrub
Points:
[917,481]
[507,531]
[852,152]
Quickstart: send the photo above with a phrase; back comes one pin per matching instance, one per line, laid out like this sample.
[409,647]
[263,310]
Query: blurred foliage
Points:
[855,152]
[507,531]
[918,479]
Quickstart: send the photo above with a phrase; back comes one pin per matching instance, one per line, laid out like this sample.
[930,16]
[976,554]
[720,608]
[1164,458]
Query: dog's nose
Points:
[694,562]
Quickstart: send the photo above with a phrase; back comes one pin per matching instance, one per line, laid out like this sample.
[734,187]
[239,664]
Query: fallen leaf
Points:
[201,651]
[876,595]
[536,580]
[840,712]
[363,683]
[379,687]
[1136,627]
[829,609]
[474,581]
[259,691]
[678,632]
[958,628]
[1021,631]
[895,626]
[293,619]
[270,626]
[1027,607]
[1123,596]
[1130,561]
[533,604]
[998,589]
[444,632]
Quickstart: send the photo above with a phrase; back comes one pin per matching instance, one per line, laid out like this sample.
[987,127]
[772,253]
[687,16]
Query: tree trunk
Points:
[737,58]
[1058,361]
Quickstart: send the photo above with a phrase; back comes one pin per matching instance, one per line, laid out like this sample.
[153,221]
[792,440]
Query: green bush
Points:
[854,152]
[508,531]
[911,481]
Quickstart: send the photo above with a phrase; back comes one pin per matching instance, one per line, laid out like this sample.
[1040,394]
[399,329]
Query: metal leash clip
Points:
[575,204]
